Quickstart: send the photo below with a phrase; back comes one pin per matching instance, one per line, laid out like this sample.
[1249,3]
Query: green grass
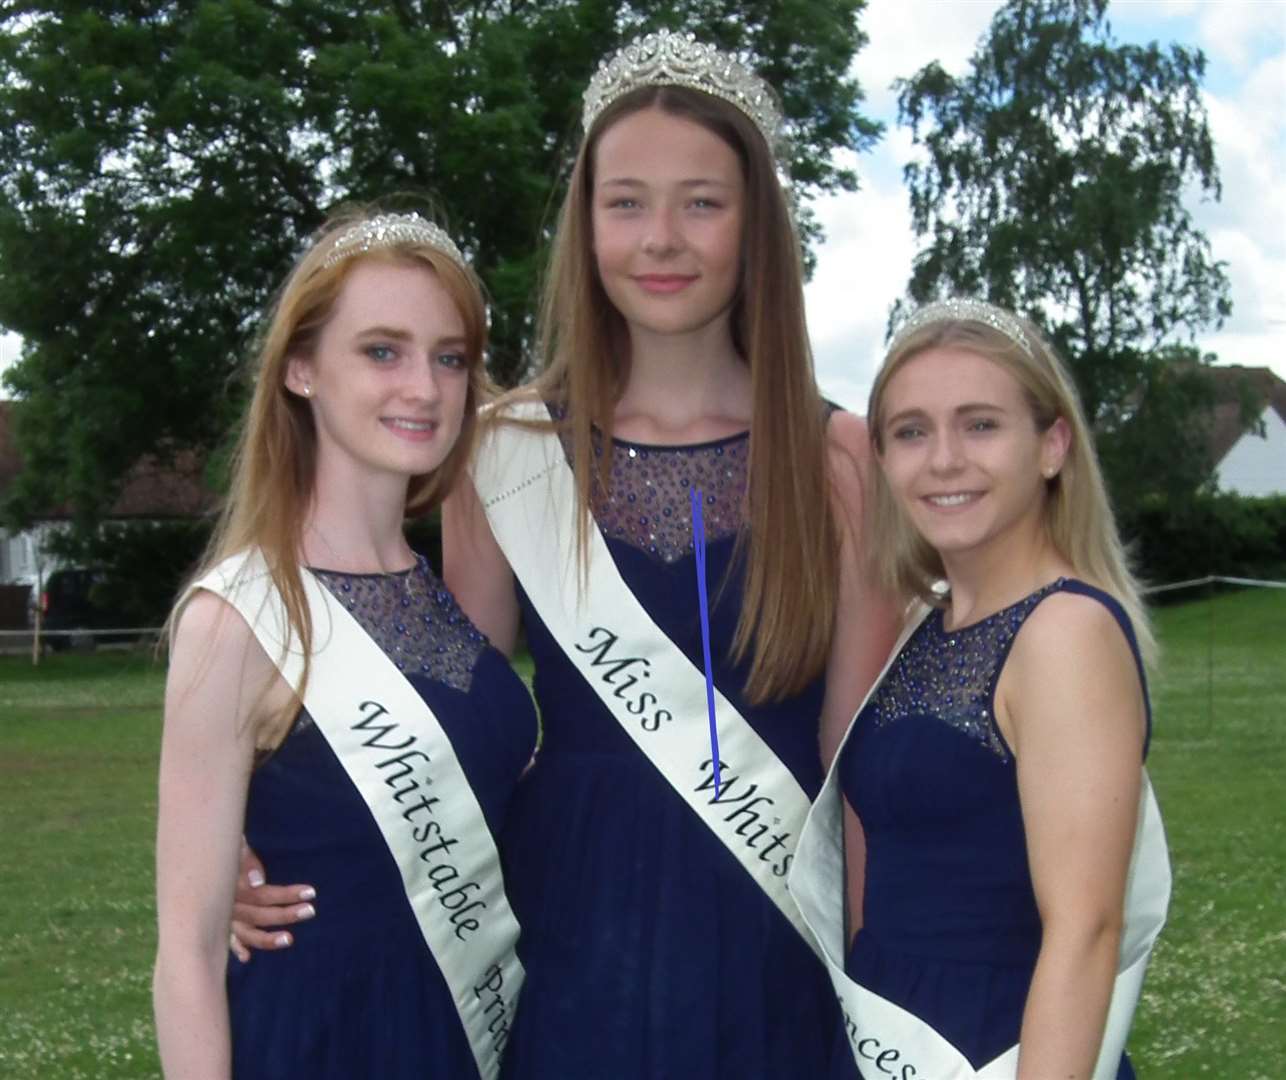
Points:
[78,739]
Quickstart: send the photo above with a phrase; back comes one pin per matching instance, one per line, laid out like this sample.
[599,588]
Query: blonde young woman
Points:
[327,697]
[1016,872]
[673,466]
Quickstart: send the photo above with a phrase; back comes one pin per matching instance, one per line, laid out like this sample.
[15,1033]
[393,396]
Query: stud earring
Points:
[308,389]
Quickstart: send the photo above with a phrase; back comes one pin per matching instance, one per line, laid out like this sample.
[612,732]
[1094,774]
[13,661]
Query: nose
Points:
[423,381]
[662,236]
[946,454]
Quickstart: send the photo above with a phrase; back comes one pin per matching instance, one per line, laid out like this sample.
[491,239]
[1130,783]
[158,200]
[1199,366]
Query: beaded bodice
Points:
[648,501]
[414,619]
[951,674]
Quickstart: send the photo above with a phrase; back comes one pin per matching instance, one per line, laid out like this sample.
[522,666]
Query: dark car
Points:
[72,607]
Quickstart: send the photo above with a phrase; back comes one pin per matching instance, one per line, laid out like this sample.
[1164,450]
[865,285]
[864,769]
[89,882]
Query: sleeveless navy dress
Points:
[950,926]
[359,993]
[651,953]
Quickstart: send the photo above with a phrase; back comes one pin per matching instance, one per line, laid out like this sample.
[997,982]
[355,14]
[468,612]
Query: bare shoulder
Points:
[1072,670]
[846,433]
[848,456]
[215,657]
[1068,626]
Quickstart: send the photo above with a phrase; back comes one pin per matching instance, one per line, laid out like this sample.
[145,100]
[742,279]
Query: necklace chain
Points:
[406,575]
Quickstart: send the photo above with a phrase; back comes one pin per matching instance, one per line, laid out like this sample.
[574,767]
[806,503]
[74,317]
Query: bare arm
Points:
[866,623]
[476,570]
[218,674]
[1071,704]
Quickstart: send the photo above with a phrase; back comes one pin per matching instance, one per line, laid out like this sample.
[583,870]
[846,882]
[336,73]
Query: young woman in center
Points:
[657,933]
[647,873]
[1016,872]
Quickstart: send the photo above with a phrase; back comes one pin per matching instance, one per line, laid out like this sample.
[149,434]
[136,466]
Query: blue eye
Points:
[381,354]
[454,360]
[907,432]
[983,424]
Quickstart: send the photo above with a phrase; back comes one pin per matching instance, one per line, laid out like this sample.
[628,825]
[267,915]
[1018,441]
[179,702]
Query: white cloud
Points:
[1232,32]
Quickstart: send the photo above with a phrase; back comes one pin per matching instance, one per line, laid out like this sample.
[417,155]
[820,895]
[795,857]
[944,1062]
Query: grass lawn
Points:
[78,739]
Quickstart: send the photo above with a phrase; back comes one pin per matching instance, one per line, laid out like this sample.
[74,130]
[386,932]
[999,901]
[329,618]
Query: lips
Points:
[952,500]
[409,428]
[664,283]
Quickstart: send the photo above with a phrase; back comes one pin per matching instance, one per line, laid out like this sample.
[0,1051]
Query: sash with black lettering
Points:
[891,1040]
[643,679]
[396,753]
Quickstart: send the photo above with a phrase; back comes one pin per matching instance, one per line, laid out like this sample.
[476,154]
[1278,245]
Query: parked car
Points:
[71,604]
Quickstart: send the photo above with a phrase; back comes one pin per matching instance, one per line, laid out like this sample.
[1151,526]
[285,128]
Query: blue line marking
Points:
[699,549]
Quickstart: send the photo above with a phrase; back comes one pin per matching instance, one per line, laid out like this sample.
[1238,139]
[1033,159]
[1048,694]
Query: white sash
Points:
[402,763]
[646,682]
[893,1041]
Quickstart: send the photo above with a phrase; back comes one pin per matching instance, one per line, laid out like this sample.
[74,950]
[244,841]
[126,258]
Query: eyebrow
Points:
[968,407]
[396,334]
[631,182]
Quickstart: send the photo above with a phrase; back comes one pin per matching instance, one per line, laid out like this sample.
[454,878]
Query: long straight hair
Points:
[1077,513]
[790,548]
[274,465]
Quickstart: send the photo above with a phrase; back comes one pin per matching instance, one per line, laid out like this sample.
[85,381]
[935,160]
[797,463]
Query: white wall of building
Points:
[1256,465]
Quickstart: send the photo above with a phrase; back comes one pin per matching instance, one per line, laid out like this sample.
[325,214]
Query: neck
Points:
[684,387]
[992,577]
[356,526]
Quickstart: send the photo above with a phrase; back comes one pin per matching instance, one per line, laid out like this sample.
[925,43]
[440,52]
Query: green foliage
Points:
[146,562]
[1054,184]
[1192,536]
[162,164]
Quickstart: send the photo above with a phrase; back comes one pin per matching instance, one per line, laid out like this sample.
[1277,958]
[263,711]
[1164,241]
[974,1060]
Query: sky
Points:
[865,261]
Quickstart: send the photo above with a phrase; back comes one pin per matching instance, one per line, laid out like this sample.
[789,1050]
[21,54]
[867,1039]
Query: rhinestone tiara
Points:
[669,59]
[389,230]
[961,309]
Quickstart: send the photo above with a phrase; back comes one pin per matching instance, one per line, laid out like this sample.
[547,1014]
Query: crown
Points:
[390,230]
[669,59]
[961,309]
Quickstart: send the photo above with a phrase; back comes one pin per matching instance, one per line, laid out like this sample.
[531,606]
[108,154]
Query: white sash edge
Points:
[646,682]
[877,1028]
[367,711]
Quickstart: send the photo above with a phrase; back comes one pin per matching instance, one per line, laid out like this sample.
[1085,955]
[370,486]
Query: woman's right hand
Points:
[260,911]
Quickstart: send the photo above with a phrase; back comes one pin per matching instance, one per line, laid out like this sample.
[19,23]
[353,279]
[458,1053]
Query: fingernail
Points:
[307,893]
[282,940]
[305,911]
[255,877]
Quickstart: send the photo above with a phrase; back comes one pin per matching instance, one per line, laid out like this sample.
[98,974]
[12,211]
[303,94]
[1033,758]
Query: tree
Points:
[1054,184]
[161,164]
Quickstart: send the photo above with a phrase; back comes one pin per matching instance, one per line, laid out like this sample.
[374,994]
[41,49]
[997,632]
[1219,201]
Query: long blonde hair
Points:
[1077,514]
[790,549]
[274,465]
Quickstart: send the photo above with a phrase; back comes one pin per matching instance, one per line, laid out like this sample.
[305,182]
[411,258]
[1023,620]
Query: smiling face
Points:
[962,455]
[667,214]
[388,378]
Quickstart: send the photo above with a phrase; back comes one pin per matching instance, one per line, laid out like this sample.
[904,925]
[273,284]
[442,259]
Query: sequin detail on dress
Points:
[951,675]
[414,619]
[648,505]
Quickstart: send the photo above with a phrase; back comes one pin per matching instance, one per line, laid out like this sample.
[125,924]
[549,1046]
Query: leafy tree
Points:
[1054,184]
[161,164]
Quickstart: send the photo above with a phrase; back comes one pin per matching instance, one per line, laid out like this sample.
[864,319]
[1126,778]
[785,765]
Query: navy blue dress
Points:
[650,951]
[950,926]
[359,994]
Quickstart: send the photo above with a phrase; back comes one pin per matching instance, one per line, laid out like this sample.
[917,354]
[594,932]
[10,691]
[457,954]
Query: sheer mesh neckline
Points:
[648,504]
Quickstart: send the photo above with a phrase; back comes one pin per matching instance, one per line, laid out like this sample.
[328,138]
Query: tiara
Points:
[669,59]
[960,309]
[390,230]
